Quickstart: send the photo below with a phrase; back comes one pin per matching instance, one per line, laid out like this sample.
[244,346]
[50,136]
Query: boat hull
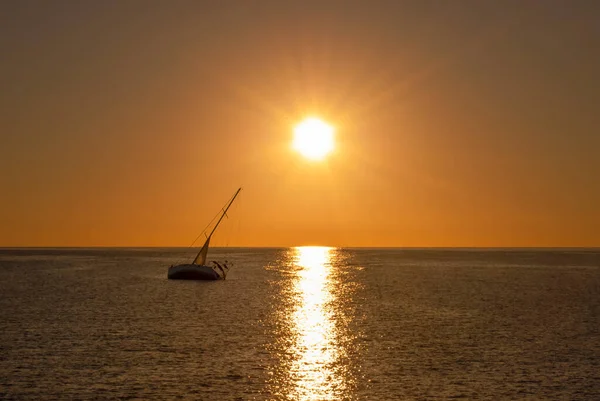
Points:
[192,272]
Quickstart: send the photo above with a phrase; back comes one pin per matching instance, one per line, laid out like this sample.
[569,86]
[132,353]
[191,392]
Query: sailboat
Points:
[198,269]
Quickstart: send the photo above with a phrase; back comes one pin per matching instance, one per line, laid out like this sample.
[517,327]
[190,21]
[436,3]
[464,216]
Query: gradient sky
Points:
[459,123]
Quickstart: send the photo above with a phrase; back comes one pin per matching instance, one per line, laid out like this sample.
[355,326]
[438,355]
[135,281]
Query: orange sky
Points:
[461,123]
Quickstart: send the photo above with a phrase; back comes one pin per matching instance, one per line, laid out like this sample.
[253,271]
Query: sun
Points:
[313,138]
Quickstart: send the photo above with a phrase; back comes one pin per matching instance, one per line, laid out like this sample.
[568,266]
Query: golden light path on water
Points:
[316,350]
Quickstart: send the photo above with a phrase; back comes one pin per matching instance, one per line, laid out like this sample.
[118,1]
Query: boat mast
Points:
[225,211]
[201,256]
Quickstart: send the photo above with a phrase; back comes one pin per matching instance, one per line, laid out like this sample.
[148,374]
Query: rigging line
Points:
[226,231]
[209,224]
[204,230]
[228,227]
[231,234]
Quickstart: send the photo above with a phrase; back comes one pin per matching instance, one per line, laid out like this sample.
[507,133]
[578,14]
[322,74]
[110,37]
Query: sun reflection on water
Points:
[316,349]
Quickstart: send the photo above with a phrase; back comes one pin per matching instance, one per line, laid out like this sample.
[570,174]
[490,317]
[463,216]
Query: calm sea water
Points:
[301,324]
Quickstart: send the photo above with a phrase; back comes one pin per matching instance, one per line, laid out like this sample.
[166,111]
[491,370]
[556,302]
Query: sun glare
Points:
[313,138]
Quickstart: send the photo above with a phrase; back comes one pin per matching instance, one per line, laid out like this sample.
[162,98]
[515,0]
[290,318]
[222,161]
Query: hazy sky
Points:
[459,123]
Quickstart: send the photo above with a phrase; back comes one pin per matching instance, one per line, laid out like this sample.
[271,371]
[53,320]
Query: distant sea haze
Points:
[308,323]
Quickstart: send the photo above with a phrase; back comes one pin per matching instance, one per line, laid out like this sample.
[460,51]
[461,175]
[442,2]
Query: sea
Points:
[307,323]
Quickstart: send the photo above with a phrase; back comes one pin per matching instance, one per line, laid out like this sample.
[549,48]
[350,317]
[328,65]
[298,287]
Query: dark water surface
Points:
[301,324]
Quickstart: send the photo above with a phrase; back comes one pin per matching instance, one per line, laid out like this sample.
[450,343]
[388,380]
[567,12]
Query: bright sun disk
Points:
[313,138]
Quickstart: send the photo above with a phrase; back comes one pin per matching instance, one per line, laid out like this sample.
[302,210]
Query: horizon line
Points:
[301,246]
